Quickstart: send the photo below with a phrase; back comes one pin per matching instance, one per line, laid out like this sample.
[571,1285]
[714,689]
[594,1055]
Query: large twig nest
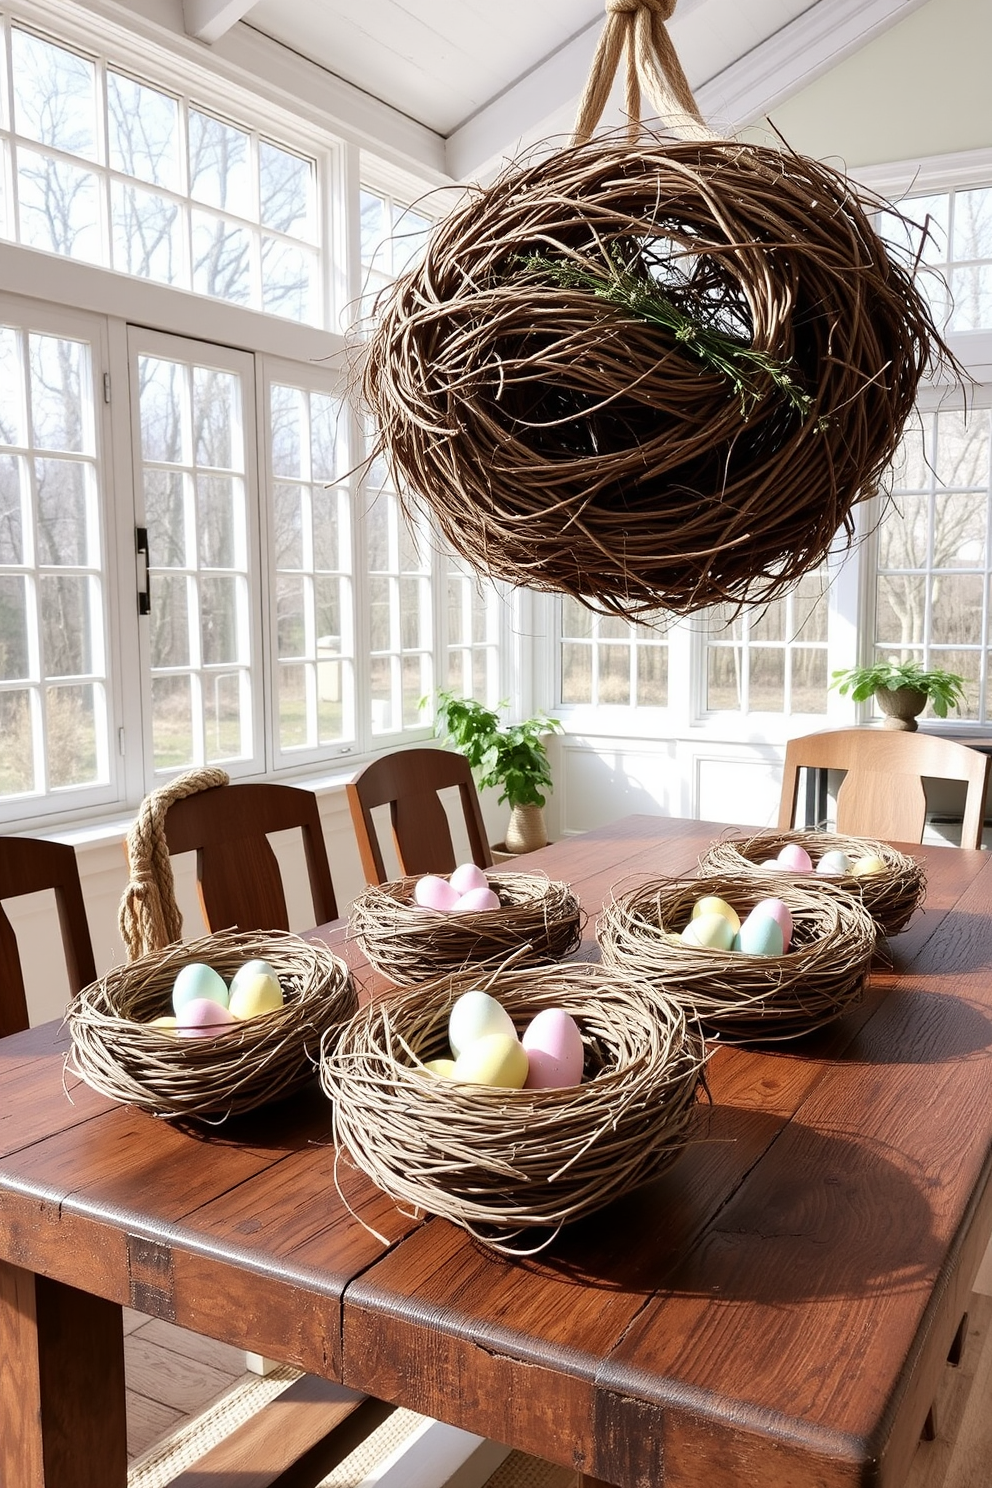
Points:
[653,374]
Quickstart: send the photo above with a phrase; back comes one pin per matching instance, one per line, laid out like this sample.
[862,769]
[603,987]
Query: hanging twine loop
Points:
[149,917]
[653,69]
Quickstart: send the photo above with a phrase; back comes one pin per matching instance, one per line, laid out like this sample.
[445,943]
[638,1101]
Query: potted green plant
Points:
[902,690]
[512,758]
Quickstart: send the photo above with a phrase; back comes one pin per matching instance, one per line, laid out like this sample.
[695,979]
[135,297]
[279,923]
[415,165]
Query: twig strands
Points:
[409,944]
[741,996]
[891,898]
[115,1049]
[502,1163]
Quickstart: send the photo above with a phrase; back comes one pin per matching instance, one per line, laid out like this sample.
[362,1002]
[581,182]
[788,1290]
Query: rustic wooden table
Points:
[775,1310]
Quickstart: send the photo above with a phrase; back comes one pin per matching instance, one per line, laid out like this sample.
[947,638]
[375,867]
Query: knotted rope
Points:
[149,916]
[652,68]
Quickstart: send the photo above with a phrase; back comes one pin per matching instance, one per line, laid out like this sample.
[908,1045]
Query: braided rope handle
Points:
[148,916]
[653,68]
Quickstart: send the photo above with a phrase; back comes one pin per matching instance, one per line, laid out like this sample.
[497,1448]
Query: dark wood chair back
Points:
[29,865]
[237,872]
[409,781]
[882,794]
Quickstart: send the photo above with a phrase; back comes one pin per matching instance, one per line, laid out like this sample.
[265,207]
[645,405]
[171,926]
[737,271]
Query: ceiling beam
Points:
[208,20]
[541,105]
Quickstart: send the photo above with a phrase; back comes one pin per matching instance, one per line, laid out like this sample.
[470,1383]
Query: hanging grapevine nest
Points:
[650,373]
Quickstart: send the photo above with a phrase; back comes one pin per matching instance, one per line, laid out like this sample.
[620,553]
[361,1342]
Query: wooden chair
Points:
[882,792]
[238,876]
[29,865]
[409,781]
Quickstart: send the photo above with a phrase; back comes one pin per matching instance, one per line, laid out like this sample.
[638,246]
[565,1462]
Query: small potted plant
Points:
[513,758]
[902,690]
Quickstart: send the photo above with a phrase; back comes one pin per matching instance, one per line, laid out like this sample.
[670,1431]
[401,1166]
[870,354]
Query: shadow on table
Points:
[757,1210]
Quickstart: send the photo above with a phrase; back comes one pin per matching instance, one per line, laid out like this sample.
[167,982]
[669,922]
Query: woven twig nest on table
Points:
[740,996]
[891,898]
[115,1049]
[410,944]
[650,375]
[505,1162]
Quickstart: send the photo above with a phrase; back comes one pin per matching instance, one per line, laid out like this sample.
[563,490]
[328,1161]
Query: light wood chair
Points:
[29,865]
[238,876]
[882,793]
[409,781]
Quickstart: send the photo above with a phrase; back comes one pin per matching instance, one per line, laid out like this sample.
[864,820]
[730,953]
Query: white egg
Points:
[477,1015]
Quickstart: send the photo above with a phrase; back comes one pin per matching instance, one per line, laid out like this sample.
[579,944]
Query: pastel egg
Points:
[474,900]
[246,972]
[202,1018]
[710,930]
[468,876]
[441,1068]
[760,935]
[555,1051]
[476,1015]
[496,1059]
[256,994]
[197,983]
[711,904]
[771,863]
[777,909]
[165,1024]
[795,858]
[835,862]
[868,867]
[431,892]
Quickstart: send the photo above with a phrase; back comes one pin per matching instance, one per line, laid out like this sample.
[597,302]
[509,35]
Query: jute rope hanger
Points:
[149,917]
[653,68]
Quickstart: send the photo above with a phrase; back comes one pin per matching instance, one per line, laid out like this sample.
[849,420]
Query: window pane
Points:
[224,714]
[220,503]
[170,621]
[145,230]
[11,396]
[59,393]
[285,191]
[11,510]
[143,132]
[287,519]
[219,164]
[72,735]
[374,227]
[652,676]
[221,258]
[900,610]
[62,524]
[290,616]
[769,624]
[809,680]
[219,617]
[903,536]
[723,678]
[328,431]
[766,689]
[288,276]
[60,207]
[614,674]
[287,413]
[956,616]
[66,632]
[13,629]
[162,395]
[959,530]
[217,436]
[973,223]
[54,95]
[172,722]
[329,528]
[292,682]
[165,517]
[17,756]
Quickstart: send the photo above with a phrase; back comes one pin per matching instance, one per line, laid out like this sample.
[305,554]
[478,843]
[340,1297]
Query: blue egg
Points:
[195,982]
[760,935]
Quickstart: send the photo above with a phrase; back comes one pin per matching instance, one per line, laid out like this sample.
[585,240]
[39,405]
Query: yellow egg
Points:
[443,1068]
[710,930]
[166,1024]
[494,1059]
[713,905]
[256,994]
[868,867]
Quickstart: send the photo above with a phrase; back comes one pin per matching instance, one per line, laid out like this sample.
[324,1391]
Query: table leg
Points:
[62,1419]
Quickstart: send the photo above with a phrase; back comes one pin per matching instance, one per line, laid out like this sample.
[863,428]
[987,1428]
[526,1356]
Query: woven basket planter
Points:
[538,917]
[891,898]
[262,1059]
[739,996]
[502,1163]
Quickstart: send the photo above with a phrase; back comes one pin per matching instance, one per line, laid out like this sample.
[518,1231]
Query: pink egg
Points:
[468,876]
[477,899]
[431,892]
[554,1049]
[202,1018]
[777,910]
[795,858]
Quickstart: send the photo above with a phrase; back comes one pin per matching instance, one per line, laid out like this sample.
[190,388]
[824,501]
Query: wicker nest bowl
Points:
[114,1048]
[891,898]
[502,1163]
[409,944]
[739,996]
[568,435]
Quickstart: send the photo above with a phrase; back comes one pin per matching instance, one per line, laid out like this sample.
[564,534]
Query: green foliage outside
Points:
[942,690]
[512,758]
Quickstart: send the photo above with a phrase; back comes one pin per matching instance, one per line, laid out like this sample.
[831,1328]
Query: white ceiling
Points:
[489,77]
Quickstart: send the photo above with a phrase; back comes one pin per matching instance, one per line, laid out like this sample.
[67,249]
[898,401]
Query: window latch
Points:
[144,582]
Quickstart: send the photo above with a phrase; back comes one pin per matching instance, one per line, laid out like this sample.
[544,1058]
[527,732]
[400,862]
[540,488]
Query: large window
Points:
[108,169]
